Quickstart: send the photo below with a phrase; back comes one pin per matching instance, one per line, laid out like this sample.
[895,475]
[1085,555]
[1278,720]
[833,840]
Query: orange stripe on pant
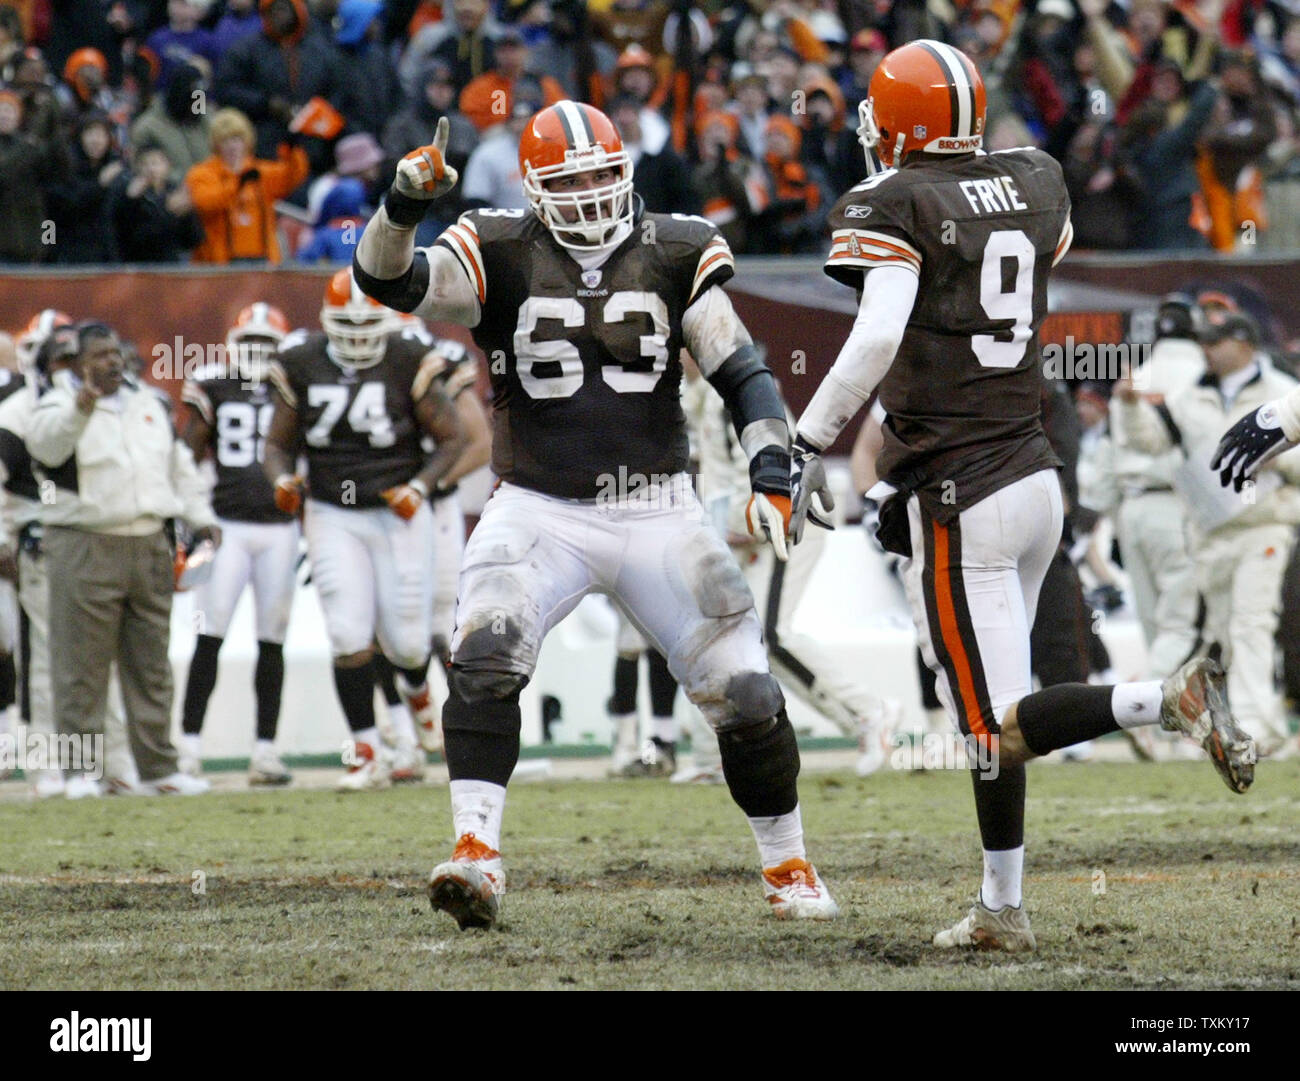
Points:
[951,635]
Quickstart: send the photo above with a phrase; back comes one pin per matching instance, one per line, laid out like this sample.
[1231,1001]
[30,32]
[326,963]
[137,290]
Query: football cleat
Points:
[80,786]
[699,775]
[796,892]
[370,770]
[470,885]
[177,784]
[983,928]
[266,768]
[408,765]
[48,784]
[1196,704]
[657,759]
[425,715]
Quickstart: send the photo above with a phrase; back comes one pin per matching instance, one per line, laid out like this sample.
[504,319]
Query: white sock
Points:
[477,807]
[1003,871]
[264,746]
[1137,704]
[664,729]
[779,838]
[403,725]
[369,735]
[190,744]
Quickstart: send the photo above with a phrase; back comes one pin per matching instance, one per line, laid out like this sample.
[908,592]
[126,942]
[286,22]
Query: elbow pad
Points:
[747,386]
[403,294]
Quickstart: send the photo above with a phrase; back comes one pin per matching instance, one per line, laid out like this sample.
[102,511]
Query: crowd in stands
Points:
[218,130]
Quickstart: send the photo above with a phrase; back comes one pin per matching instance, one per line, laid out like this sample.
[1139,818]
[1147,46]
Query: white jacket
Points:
[1201,418]
[119,470]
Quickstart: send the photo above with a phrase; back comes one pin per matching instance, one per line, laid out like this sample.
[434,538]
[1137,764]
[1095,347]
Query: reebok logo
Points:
[853,210]
[113,1034]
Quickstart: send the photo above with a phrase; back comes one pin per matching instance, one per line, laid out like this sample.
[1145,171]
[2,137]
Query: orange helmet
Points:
[925,96]
[258,329]
[42,325]
[568,139]
[355,325]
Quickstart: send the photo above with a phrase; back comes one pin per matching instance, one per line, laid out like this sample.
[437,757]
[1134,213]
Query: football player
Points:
[355,400]
[951,249]
[581,305]
[229,405]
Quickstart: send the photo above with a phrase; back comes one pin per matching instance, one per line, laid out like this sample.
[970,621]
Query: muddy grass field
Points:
[1138,877]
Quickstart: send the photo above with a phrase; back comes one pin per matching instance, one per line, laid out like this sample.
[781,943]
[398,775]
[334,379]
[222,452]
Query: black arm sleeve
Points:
[402,294]
[750,394]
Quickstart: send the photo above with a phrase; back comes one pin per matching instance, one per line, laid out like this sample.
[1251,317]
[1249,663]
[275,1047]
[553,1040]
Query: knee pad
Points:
[494,642]
[760,762]
[483,702]
[754,697]
[479,685]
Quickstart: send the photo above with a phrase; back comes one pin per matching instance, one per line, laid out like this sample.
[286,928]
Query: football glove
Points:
[424,173]
[288,493]
[404,499]
[808,479]
[1248,444]
[768,512]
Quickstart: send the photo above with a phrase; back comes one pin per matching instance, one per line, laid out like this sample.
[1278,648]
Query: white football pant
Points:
[534,557]
[264,553]
[374,573]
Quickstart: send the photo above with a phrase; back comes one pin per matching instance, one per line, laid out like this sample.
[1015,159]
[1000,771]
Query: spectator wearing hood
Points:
[794,216]
[234,192]
[78,198]
[659,174]
[152,216]
[101,25]
[84,88]
[465,39]
[374,92]
[178,121]
[830,148]
[26,163]
[415,126]
[183,40]
[491,177]
[42,113]
[729,185]
[343,217]
[268,76]
[488,99]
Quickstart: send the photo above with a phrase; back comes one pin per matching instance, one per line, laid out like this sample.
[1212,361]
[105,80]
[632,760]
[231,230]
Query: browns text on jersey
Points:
[963,396]
[584,363]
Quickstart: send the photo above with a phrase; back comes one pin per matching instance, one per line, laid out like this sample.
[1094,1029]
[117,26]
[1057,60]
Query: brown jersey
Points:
[359,430]
[584,363]
[982,233]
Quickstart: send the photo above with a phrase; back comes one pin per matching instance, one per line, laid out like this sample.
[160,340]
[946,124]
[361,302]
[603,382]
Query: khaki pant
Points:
[1240,576]
[34,596]
[110,600]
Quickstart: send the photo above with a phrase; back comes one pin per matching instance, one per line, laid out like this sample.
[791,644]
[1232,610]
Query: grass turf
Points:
[1136,877]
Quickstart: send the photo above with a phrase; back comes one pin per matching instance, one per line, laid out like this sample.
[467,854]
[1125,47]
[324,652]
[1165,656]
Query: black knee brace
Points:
[480,726]
[761,764]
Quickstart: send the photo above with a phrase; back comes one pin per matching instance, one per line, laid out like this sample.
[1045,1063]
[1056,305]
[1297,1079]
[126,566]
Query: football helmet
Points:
[355,325]
[258,329]
[925,96]
[41,326]
[568,139]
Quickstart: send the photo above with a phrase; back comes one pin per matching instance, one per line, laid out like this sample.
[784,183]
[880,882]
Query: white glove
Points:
[808,479]
[424,173]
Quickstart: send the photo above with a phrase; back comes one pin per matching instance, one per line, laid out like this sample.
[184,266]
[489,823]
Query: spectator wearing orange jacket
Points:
[489,98]
[234,193]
